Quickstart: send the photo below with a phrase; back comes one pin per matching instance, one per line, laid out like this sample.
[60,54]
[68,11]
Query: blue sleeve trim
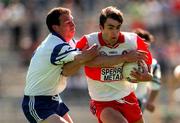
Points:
[60,52]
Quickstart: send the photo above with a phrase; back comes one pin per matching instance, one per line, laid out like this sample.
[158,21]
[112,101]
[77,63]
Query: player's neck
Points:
[109,42]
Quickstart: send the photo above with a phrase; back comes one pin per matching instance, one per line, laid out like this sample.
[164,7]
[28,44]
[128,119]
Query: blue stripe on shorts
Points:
[38,108]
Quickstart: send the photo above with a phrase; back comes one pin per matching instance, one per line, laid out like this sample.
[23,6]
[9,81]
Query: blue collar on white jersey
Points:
[56,34]
[59,36]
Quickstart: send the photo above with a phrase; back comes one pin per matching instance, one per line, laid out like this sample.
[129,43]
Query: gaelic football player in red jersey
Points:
[112,98]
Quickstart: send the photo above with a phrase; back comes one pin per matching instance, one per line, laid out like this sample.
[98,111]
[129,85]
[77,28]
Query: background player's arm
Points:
[155,87]
[150,103]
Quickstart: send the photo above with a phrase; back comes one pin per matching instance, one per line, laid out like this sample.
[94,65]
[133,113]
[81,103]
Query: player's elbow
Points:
[67,74]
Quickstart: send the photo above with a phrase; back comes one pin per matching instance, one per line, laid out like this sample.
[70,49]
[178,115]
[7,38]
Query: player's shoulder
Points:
[130,37]
[93,34]
[54,43]
[129,34]
[92,38]
[56,39]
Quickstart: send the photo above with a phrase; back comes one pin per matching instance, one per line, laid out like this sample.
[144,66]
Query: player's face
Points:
[110,31]
[67,27]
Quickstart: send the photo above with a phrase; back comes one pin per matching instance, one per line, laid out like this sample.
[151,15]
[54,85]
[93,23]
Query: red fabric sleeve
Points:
[142,46]
[82,43]
[90,71]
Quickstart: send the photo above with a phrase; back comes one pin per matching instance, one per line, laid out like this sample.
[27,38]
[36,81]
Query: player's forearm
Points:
[71,68]
[153,96]
[79,60]
[106,61]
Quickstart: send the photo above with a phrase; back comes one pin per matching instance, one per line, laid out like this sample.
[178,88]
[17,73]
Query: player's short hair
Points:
[53,16]
[110,12]
[144,34]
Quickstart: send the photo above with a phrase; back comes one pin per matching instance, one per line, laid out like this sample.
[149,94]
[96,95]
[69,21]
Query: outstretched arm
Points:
[72,67]
[150,103]
[108,61]
[155,87]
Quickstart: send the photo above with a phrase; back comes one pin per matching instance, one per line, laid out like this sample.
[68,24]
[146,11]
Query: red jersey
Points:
[124,45]
[101,79]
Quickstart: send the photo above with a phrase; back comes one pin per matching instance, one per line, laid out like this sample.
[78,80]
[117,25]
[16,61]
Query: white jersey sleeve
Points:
[44,73]
[156,72]
[63,53]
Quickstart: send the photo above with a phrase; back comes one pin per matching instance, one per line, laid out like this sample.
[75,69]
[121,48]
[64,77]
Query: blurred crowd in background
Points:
[23,21]
[22,26]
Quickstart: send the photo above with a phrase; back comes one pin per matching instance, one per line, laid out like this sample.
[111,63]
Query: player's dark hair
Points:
[147,36]
[110,12]
[53,17]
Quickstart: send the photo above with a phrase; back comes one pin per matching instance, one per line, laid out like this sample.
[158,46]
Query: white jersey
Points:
[143,88]
[106,83]
[44,73]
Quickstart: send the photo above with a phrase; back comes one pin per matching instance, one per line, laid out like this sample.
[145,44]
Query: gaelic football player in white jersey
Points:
[45,77]
[147,92]
[112,97]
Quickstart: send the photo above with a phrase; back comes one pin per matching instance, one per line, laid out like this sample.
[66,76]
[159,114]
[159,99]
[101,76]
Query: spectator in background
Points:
[147,92]
[30,43]
[45,76]
[16,19]
[153,16]
[175,4]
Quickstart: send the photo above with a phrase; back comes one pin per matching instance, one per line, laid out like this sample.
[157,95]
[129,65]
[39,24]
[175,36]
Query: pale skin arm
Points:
[79,60]
[108,61]
[153,93]
[150,103]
